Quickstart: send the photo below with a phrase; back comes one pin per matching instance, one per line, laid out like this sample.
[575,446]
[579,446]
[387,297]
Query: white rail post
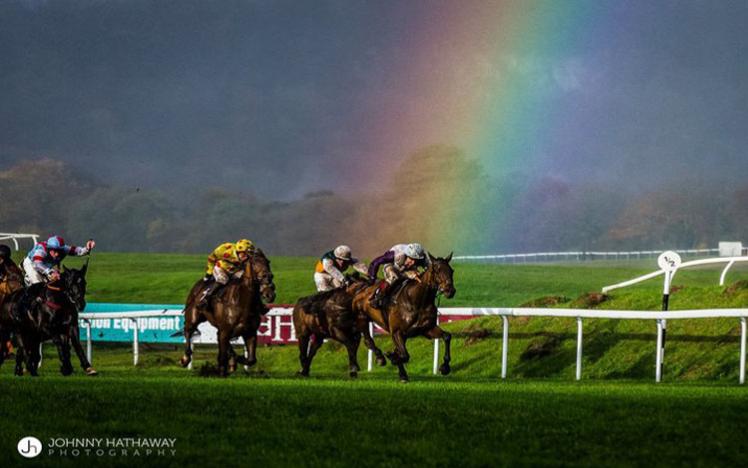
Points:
[370,354]
[579,348]
[724,273]
[89,345]
[192,355]
[658,359]
[135,343]
[742,350]
[436,355]
[504,345]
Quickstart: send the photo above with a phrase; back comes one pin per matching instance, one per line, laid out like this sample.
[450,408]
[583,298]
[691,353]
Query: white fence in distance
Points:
[504,313]
[15,237]
[579,256]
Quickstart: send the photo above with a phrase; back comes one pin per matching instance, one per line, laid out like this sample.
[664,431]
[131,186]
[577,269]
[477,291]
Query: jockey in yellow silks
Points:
[224,263]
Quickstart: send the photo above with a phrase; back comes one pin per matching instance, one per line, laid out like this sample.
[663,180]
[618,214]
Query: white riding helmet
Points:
[414,251]
[342,252]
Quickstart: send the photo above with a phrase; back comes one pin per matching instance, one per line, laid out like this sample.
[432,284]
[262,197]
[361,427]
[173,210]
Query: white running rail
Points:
[504,313]
[730,261]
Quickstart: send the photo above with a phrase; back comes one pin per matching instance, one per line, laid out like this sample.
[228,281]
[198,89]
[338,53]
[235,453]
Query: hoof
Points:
[301,373]
[184,361]
[91,371]
[66,371]
[381,361]
[353,374]
[404,380]
[444,369]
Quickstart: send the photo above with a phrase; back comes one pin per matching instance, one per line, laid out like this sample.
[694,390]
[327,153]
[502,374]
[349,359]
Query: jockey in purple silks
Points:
[401,261]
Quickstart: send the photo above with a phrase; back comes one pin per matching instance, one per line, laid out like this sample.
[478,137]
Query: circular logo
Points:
[669,261]
[30,447]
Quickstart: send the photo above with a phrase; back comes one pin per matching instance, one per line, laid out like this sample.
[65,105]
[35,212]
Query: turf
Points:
[615,416]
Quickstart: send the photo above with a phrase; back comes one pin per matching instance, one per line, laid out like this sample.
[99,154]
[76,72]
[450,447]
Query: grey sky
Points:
[272,97]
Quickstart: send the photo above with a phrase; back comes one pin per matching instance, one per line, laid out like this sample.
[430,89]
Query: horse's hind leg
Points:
[303,351]
[352,346]
[436,333]
[311,351]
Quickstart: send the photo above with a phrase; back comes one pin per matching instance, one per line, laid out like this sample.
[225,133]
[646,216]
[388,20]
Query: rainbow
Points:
[473,94]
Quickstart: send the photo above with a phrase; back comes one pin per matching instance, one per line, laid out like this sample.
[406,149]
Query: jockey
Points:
[224,263]
[401,261]
[7,269]
[328,273]
[41,265]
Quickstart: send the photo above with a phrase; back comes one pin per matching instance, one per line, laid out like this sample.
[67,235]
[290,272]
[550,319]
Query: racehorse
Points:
[330,314]
[411,312]
[235,311]
[44,312]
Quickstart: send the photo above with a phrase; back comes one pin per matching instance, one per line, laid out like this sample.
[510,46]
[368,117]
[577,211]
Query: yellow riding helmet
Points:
[244,245]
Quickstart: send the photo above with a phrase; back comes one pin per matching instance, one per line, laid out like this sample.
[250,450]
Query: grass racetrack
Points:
[615,416]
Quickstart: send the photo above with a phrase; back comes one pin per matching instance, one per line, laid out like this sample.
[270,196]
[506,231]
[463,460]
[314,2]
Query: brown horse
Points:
[330,315]
[11,281]
[411,312]
[235,311]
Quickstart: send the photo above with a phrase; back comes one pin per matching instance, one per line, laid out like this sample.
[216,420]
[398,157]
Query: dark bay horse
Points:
[411,312]
[50,312]
[235,311]
[330,315]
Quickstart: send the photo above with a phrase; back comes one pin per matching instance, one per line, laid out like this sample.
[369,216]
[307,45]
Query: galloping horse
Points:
[411,312]
[234,311]
[330,315]
[52,313]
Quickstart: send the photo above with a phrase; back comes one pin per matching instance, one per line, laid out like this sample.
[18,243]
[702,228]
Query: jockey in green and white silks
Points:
[328,272]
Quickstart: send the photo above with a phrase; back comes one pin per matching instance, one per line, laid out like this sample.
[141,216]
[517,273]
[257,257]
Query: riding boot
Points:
[377,299]
[208,292]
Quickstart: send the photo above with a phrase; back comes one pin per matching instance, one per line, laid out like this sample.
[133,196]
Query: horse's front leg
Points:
[190,326]
[33,356]
[20,354]
[436,333]
[62,343]
[224,342]
[400,356]
[250,347]
[76,342]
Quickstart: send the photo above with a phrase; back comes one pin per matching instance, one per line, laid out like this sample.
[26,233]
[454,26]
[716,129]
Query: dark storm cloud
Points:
[270,97]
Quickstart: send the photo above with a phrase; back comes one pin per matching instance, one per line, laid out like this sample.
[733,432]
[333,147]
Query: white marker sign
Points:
[669,261]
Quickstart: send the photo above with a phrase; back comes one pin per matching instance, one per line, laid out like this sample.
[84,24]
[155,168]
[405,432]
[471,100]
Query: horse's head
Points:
[440,274]
[260,266]
[74,283]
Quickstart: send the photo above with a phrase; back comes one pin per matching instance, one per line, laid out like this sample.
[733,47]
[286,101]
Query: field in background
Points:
[539,416]
[166,278]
